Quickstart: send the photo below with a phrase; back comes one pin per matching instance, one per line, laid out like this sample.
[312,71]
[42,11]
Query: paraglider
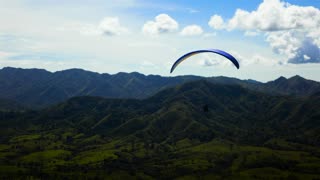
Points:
[205,108]
[217,51]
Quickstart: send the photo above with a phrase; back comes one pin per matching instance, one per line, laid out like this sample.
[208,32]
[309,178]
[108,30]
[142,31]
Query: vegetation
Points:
[37,88]
[245,134]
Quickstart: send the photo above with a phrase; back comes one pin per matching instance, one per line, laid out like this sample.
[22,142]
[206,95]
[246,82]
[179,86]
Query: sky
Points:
[269,38]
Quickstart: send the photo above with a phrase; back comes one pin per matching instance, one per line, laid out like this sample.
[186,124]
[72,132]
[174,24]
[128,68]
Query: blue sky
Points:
[270,38]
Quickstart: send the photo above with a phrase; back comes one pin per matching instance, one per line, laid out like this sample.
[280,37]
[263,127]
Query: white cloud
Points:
[192,30]
[110,26]
[84,29]
[307,52]
[295,45]
[216,22]
[208,59]
[258,59]
[255,59]
[315,35]
[275,15]
[163,23]
[290,30]
[207,62]
[284,42]
[305,57]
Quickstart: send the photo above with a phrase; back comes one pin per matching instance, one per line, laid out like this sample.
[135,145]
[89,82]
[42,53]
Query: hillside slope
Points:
[244,134]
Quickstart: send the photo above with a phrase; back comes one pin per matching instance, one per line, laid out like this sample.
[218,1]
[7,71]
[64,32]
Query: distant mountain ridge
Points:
[39,88]
[295,85]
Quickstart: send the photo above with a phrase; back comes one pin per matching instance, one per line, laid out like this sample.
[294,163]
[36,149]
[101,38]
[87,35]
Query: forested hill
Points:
[40,88]
[244,134]
[37,88]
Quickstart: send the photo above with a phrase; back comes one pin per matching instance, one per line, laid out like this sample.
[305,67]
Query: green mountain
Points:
[244,134]
[295,85]
[10,105]
[38,88]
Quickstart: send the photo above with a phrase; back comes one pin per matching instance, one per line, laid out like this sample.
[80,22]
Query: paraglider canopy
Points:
[217,51]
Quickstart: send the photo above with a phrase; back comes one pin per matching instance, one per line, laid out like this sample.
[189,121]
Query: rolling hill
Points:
[245,134]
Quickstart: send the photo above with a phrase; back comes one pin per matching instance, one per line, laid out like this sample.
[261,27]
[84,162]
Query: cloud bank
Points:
[275,15]
[293,31]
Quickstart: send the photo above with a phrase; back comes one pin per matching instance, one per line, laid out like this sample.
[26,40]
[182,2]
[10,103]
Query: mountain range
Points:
[245,133]
[38,88]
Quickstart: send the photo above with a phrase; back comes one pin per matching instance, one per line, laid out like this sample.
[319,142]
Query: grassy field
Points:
[186,159]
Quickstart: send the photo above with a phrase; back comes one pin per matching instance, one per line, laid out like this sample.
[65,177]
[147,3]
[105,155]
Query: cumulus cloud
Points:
[285,42]
[308,52]
[162,23]
[290,30]
[305,57]
[110,26]
[216,22]
[208,60]
[275,15]
[256,59]
[315,35]
[297,47]
[192,30]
